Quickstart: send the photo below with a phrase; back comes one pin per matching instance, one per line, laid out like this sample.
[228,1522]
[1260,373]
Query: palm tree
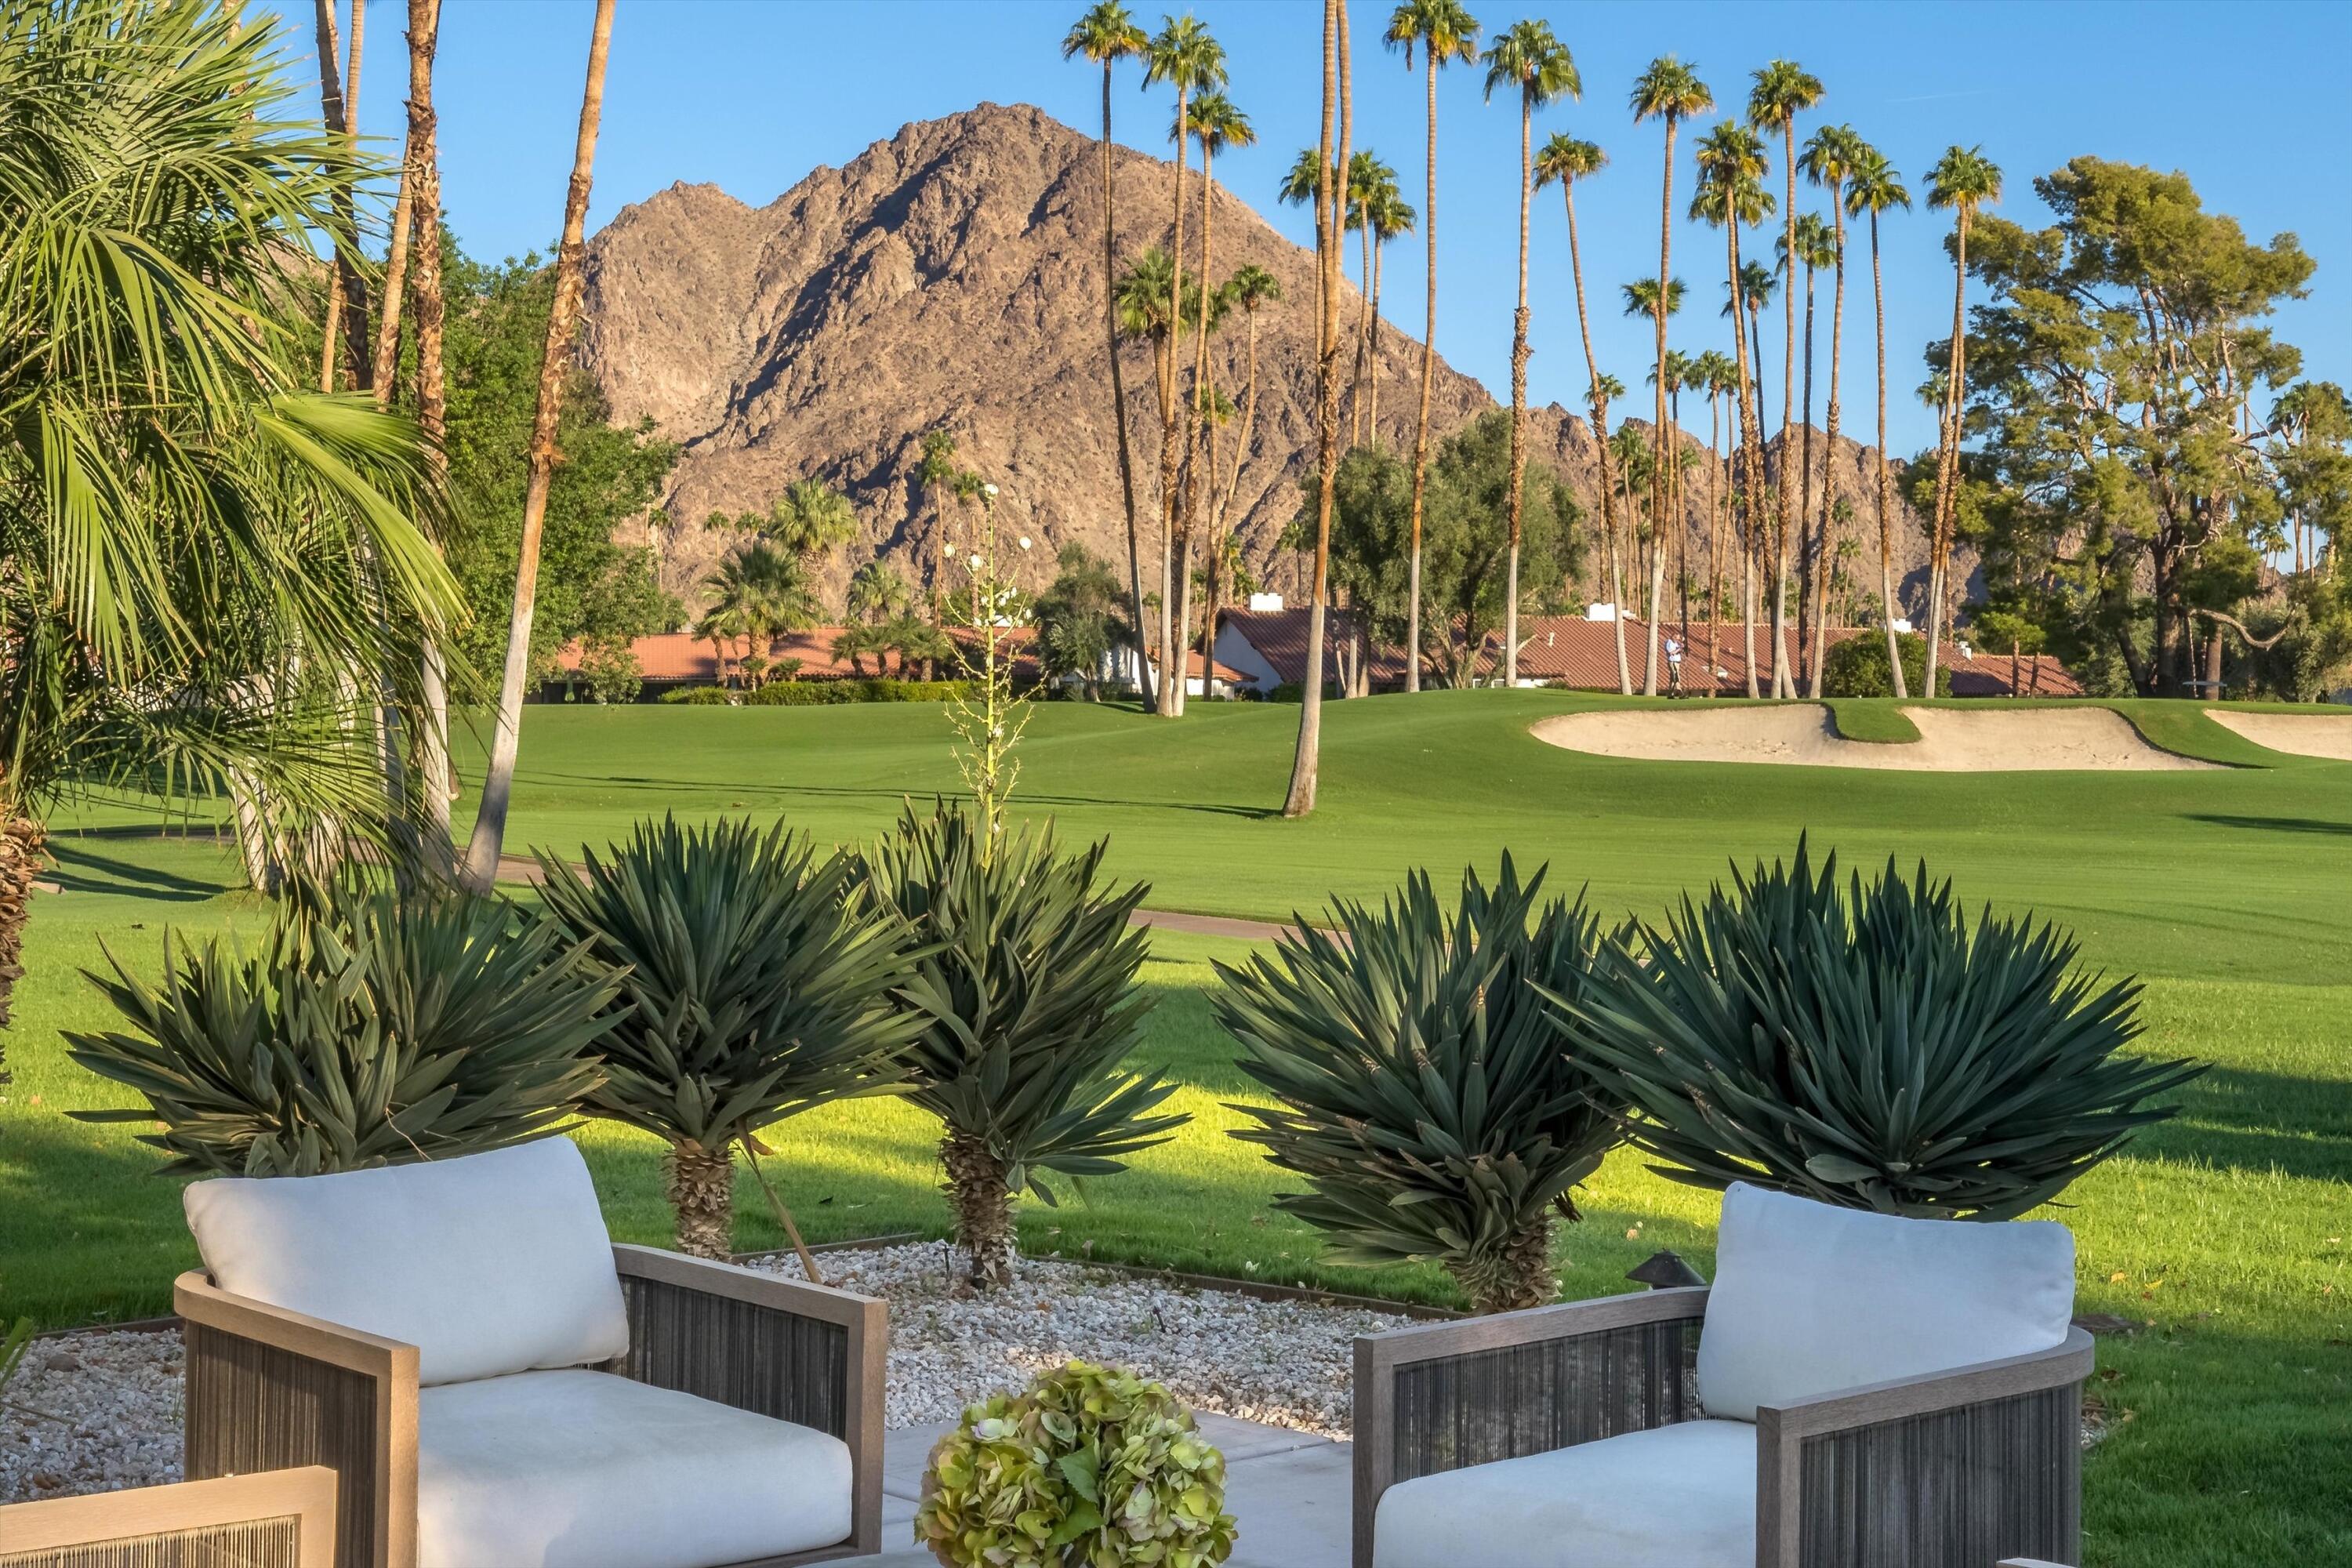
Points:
[1567,159]
[1963,179]
[1529,58]
[1714,371]
[758,594]
[1251,289]
[811,519]
[481,868]
[429,313]
[877,593]
[1782,90]
[1107,34]
[1387,214]
[1676,374]
[1669,90]
[345,329]
[1369,182]
[1335,127]
[1643,299]
[1831,158]
[1447,35]
[1214,123]
[1185,57]
[1731,193]
[1816,248]
[164,557]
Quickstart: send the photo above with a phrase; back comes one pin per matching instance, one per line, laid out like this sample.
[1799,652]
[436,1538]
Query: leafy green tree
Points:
[1446,34]
[194,550]
[1078,620]
[1466,541]
[1526,57]
[2116,359]
[591,589]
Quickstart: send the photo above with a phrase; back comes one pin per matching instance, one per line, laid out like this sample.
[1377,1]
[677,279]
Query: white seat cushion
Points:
[487,1263]
[1679,1497]
[1809,1299]
[585,1470]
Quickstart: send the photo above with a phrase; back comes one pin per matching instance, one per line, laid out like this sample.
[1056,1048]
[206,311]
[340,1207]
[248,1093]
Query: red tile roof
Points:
[1568,650]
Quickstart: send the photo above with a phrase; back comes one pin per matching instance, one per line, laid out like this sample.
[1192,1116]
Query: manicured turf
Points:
[2225,1232]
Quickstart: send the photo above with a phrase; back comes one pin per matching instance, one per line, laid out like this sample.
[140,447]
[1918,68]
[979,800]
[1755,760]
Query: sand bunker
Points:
[1990,740]
[2301,735]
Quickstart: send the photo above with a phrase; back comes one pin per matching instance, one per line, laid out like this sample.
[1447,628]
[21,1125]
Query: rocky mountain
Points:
[950,276]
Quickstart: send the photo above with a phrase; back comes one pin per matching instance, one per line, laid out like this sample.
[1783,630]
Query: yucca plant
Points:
[1865,1045]
[756,983]
[367,1028]
[1424,1095]
[1023,992]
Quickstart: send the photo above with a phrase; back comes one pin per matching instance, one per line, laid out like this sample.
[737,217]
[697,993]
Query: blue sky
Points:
[751,94]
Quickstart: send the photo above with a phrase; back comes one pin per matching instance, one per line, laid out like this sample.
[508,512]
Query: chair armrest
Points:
[268,1389]
[805,1353]
[1443,1396]
[277,1519]
[1952,1470]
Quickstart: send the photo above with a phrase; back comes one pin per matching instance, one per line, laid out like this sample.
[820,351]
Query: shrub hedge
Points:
[820,693]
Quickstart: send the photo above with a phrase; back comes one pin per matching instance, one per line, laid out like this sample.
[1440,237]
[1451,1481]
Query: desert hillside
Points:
[952,276]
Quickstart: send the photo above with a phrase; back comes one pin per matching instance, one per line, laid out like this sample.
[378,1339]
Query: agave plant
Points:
[368,1028]
[1866,1046]
[1023,992]
[1424,1095]
[755,983]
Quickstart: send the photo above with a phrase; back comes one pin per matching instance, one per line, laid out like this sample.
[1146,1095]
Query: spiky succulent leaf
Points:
[1422,1092]
[1022,991]
[1088,1465]
[369,1028]
[1865,1045]
[755,981]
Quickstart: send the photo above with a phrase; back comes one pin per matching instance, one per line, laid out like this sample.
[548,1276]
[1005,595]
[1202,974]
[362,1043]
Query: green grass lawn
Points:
[2225,1232]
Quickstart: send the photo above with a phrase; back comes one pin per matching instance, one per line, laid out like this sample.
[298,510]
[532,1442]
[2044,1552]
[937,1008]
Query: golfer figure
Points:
[1673,667]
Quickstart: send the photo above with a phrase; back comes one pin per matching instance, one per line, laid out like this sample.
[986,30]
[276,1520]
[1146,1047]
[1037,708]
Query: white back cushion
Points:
[1809,1299]
[486,1263]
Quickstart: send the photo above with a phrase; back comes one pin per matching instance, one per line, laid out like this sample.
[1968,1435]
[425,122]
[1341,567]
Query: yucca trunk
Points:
[1517,1276]
[700,1186]
[982,1201]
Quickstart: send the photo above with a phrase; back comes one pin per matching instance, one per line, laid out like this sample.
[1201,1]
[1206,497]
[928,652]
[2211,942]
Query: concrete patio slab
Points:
[1288,1492]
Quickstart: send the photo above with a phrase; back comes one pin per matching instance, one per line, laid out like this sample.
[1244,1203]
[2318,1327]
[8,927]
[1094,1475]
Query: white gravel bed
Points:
[91,1413]
[1287,1363]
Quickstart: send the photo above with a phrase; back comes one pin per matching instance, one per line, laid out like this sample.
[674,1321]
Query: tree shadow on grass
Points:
[2256,1121]
[2306,824]
[82,870]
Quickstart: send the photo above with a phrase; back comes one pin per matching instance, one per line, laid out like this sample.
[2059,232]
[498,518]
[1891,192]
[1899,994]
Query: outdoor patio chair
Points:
[278,1519]
[1868,1391]
[498,1385]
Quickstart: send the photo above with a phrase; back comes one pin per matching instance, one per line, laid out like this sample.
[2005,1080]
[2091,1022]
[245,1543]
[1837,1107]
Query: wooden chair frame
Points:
[268,1388]
[157,1524]
[1953,1470]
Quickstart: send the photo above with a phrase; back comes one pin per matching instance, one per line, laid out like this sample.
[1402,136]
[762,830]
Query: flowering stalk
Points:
[990,719]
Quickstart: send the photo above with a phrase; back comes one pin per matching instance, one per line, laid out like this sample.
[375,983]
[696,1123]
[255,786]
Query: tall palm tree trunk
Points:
[481,868]
[1808,678]
[1949,461]
[1829,442]
[1363,338]
[1428,378]
[1658,318]
[1750,486]
[1783,682]
[1518,399]
[1118,405]
[346,326]
[1372,348]
[1657,564]
[1886,482]
[1197,433]
[1173,429]
[1715,499]
[1330,238]
[1599,432]
[426,308]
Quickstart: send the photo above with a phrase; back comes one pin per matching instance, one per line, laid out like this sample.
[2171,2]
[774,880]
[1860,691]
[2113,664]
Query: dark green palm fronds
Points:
[1023,983]
[368,1030]
[1866,1046]
[1423,1094]
[756,982]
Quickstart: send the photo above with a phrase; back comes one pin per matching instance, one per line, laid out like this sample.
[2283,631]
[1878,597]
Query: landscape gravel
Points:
[1287,1363]
[91,1413]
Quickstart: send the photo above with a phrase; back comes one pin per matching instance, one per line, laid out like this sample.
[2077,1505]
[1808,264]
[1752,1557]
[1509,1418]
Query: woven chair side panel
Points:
[251,1543]
[1949,1488]
[255,1406]
[1504,1404]
[738,1353]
